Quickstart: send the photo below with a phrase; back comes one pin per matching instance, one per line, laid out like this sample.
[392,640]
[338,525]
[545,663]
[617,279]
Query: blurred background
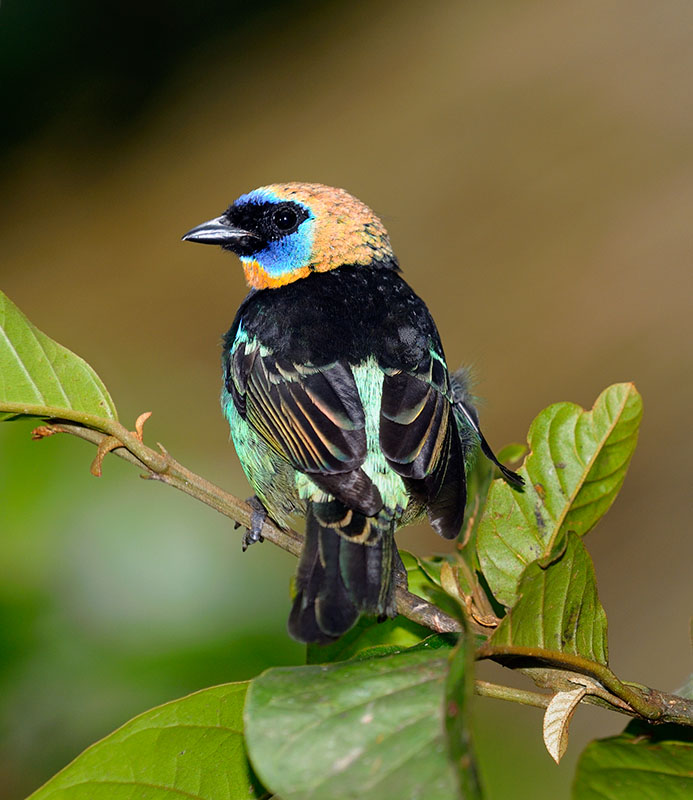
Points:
[533,163]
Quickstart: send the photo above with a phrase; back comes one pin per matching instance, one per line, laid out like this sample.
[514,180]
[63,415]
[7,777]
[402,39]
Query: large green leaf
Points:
[367,729]
[191,748]
[559,608]
[644,763]
[577,464]
[39,377]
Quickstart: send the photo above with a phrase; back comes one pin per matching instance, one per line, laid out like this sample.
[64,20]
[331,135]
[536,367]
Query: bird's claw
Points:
[257,521]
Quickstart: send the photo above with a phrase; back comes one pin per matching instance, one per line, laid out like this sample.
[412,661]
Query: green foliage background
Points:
[545,151]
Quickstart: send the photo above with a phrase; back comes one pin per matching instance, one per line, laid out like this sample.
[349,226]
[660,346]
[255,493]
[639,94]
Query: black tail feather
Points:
[335,610]
[367,574]
[303,624]
[512,477]
[338,579]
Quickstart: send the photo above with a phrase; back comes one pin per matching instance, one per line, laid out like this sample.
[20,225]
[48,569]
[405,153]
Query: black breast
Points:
[349,313]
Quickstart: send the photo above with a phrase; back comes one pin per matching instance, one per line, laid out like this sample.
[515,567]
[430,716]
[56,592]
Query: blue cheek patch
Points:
[289,253]
[292,252]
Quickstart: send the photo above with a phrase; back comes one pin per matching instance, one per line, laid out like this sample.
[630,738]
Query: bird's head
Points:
[286,231]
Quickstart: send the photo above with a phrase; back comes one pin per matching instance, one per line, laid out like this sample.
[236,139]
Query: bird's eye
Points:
[285,218]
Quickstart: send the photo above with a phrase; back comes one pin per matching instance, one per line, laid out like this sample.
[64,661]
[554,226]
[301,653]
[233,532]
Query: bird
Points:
[340,403]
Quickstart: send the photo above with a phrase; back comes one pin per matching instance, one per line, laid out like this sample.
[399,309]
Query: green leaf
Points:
[366,729]
[39,377]
[423,574]
[644,763]
[512,454]
[577,464]
[424,579]
[191,747]
[371,637]
[479,479]
[559,608]
[459,688]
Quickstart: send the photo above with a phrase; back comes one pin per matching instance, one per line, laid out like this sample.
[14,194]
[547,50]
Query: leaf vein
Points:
[299,732]
[114,782]
[50,364]
[588,467]
[22,365]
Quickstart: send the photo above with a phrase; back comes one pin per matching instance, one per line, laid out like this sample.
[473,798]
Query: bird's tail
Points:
[345,570]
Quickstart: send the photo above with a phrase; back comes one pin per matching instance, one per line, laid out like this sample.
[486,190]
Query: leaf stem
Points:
[647,703]
[525,698]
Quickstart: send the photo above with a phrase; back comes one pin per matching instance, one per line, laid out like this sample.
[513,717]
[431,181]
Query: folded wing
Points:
[312,416]
[419,438]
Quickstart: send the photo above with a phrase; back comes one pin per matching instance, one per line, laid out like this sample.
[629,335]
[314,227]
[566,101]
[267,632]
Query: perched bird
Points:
[338,396]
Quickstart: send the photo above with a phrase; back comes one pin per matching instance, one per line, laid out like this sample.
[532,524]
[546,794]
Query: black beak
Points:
[220,231]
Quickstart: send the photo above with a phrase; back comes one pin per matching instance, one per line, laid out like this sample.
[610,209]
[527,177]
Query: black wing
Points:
[312,416]
[419,438]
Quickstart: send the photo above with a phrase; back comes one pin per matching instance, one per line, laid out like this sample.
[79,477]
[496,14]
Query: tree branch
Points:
[547,668]
[163,467]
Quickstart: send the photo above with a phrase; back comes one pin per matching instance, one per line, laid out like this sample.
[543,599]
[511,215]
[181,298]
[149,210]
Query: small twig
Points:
[525,698]
[649,704]
[576,664]
[542,699]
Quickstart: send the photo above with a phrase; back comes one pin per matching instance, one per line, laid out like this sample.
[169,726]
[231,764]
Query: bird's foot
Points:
[257,521]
